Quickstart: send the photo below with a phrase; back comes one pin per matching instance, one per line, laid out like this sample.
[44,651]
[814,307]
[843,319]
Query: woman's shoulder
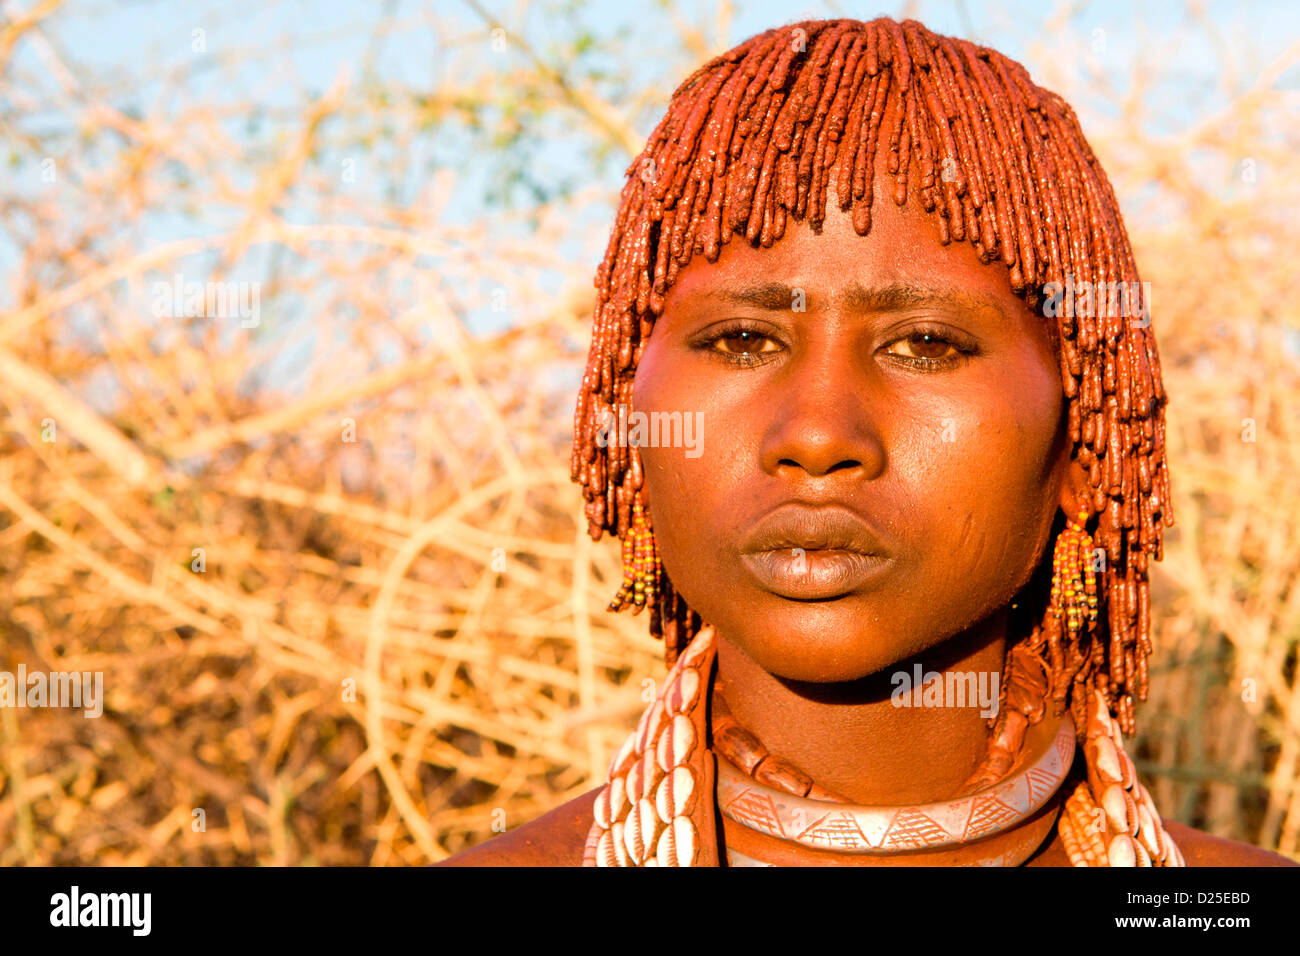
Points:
[557,838]
[1198,848]
[1202,849]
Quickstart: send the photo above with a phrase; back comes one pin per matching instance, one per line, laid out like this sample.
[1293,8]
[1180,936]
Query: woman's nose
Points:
[825,418]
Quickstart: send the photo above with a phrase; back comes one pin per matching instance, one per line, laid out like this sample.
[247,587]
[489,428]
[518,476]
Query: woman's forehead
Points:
[901,263]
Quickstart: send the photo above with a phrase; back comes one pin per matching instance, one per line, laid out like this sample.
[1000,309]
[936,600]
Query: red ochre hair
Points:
[757,135]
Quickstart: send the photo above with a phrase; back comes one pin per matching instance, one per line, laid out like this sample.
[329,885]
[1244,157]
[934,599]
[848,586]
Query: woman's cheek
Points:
[1005,495]
[966,490]
[939,453]
[688,496]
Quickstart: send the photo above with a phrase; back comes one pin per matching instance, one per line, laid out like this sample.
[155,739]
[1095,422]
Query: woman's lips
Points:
[808,552]
[814,574]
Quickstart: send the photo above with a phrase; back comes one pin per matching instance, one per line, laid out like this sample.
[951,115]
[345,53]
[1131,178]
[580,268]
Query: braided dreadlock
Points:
[755,137]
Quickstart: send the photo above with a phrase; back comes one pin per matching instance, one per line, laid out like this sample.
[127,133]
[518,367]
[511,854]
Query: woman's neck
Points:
[855,739]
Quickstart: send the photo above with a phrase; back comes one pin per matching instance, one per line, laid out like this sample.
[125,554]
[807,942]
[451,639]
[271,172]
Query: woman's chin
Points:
[815,657]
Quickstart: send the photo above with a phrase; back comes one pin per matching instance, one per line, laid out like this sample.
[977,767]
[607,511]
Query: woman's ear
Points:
[1076,493]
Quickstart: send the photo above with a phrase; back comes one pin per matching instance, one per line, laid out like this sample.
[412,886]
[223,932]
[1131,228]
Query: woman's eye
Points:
[926,347]
[744,342]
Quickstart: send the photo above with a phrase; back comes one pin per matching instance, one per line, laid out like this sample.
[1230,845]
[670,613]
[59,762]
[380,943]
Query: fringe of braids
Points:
[757,135]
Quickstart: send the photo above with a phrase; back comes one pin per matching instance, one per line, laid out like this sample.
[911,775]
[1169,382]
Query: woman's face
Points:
[883,442]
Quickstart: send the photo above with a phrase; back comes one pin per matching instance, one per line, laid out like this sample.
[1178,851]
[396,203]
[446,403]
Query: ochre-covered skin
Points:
[835,256]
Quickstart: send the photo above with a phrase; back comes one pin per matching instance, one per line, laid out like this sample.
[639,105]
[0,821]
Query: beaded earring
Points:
[1074,583]
[641,567]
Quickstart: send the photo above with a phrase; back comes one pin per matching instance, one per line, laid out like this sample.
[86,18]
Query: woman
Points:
[885,275]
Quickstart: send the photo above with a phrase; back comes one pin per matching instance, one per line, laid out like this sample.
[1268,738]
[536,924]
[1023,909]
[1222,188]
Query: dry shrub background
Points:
[397,643]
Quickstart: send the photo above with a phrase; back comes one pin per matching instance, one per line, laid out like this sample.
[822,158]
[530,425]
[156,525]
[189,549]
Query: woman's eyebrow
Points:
[895,297]
[901,296]
[775,296]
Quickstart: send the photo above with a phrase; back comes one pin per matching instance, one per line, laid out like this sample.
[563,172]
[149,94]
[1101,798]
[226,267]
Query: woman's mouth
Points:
[801,574]
[814,553]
